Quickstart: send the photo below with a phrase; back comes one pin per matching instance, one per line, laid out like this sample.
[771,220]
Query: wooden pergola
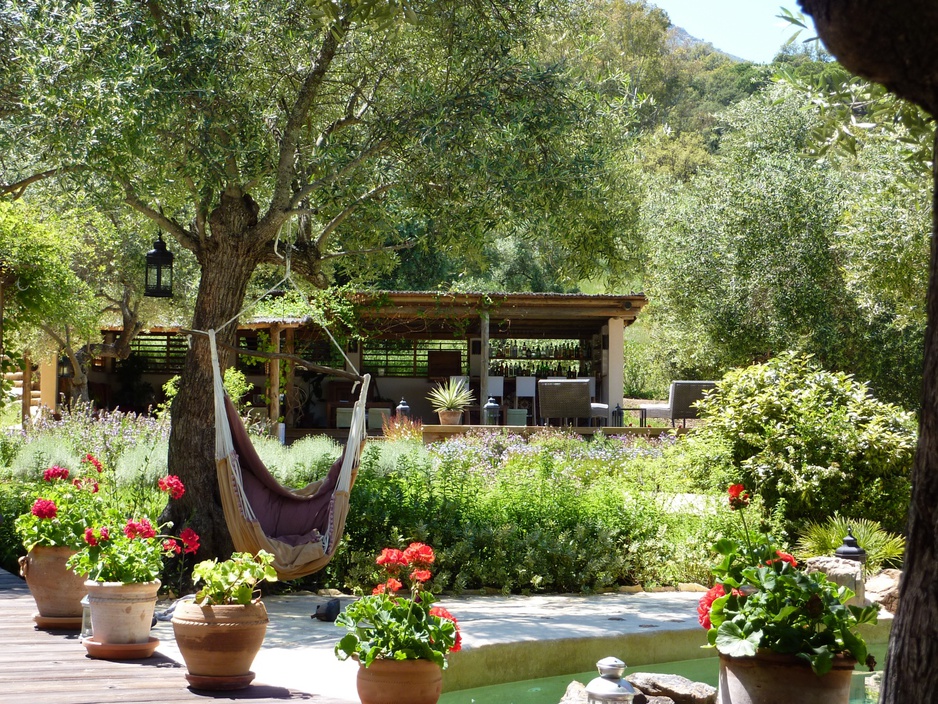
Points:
[475,321]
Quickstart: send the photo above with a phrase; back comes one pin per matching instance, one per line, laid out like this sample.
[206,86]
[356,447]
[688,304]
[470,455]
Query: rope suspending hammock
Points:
[300,527]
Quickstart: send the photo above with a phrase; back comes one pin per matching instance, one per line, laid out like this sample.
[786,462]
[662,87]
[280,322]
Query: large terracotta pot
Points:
[57,590]
[219,642]
[450,417]
[400,682]
[771,678]
[122,613]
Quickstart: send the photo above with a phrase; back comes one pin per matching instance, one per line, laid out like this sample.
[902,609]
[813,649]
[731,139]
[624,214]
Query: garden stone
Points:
[846,573]
[576,694]
[641,698]
[690,587]
[883,589]
[679,689]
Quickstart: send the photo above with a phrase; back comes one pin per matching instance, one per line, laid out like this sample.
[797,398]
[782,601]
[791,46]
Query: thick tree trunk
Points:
[893,43]
[230,257]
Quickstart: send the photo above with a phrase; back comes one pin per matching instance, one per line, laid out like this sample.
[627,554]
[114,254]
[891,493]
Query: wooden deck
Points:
[52,666]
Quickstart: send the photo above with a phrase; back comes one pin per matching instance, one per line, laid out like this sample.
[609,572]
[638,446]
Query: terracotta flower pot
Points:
[219,642]
[771,678]
[57,590]
[400,682]
[450,417]
[122,613]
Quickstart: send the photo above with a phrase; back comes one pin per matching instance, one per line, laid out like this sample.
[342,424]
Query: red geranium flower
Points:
[391,558]
[706,603]
[170,545]
[173,485]
[190,539]
[93,461]
[443,613]
[104,533]
[419,554]
[392,585]
[142,529]
[89,537]
[420,575]
[44,508]
[783,557]
[55,472]
[739,497]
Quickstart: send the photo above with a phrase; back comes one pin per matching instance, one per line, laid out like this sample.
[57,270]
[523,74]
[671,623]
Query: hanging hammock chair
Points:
[300,527]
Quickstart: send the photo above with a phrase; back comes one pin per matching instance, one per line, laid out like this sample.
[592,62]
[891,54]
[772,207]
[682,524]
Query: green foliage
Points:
[763,279]
[233,581]
[299,463]
[883,549]
[816,440]
[14,501]
[235,382]
[39,289]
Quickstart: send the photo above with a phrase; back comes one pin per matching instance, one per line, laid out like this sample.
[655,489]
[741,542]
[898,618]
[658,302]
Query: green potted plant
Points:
[220,632]
[779,630]
[449,400]
[399,638]
[123,559]
[52,531]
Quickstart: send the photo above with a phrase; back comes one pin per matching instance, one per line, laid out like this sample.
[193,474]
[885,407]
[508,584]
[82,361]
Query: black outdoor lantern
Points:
[403,410]
[851,550]
[618,416]
[159,279]
[490,412]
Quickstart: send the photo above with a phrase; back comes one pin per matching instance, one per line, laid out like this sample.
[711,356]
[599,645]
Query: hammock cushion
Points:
[288,516]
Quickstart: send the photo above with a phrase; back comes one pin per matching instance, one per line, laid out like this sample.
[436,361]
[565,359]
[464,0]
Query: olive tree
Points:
[332,124]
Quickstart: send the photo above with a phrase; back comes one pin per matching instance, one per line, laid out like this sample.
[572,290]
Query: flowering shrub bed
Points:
[550,513]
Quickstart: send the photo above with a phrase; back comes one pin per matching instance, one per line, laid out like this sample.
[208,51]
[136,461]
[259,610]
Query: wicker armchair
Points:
[682,400]
[568,399]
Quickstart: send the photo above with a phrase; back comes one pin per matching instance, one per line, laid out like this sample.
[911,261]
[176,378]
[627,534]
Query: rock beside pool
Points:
[576,694]
[654,688]
[678,689]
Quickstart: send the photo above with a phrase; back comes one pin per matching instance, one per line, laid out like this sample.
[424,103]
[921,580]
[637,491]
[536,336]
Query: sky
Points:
[748,29]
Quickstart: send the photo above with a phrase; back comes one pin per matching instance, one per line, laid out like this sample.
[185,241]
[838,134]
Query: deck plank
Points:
[38,665]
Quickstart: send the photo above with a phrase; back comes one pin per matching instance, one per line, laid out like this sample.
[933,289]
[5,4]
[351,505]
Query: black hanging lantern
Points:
[159,279]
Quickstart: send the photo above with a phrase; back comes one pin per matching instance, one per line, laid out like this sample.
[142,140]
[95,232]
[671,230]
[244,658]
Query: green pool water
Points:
[550,690]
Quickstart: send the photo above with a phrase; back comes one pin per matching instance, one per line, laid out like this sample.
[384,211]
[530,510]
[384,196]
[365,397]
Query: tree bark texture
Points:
[893,43]
[227,259]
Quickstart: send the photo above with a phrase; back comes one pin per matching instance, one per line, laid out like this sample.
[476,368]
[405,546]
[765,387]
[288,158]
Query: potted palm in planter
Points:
[399,638]
[220,632]
[783,635]
[449,400]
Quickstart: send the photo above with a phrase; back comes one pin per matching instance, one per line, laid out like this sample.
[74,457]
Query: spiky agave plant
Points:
[883,549]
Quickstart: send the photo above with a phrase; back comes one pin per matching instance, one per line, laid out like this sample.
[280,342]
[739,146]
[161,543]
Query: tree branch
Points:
[183,236]
[340,218]
[298,361]
[389,248]
[19,187]
[307,95]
